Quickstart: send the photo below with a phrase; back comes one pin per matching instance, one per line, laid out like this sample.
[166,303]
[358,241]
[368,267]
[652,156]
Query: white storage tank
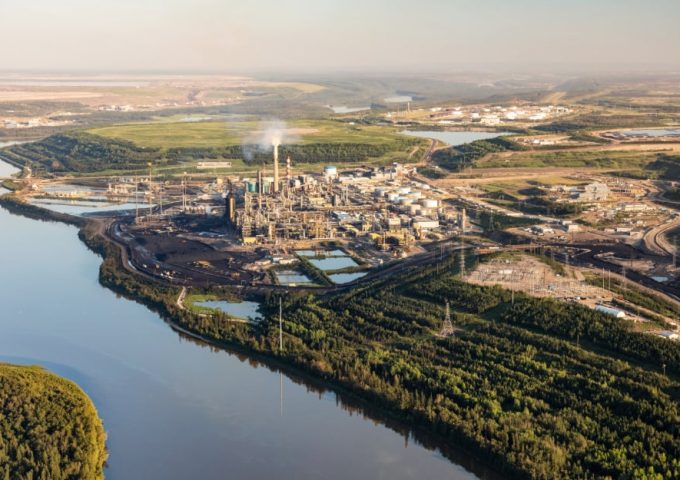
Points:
[392,197]
[330,171]
[404,191]
[429,203]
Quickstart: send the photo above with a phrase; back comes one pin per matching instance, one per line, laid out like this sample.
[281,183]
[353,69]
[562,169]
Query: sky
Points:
[353,35]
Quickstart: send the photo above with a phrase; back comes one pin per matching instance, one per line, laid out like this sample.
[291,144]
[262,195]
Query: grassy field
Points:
[223,133]
[582,158]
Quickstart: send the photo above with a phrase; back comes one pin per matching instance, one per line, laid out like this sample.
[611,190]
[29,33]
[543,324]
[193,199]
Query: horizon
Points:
[320,37]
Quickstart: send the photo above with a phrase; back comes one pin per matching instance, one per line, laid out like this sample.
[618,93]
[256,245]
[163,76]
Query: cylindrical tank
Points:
[392,197]
[251,186]
[404,190]
[330,171]
[429,203]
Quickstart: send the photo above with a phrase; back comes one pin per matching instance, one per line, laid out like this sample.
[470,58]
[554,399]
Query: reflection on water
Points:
[345,109]
[652,132]
[174,408]
[293,277]
[245,310]
[454,138]
[340,278]
[332,263]
[84,207]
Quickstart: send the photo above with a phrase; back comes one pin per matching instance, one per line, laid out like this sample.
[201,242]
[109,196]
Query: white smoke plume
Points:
[269,135]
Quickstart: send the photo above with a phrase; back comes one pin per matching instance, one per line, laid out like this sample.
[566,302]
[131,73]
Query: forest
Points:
[536,388]
[81,152]
[49,428]
[463,156]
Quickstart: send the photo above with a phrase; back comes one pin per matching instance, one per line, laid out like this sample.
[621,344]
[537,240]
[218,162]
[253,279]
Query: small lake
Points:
[333,263]
[340,278]
[344,109]
[244,310]
[652,132]
[293,277]
[454,138]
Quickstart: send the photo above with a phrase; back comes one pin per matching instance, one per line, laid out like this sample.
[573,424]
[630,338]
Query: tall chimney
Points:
[276,168]
[289,170]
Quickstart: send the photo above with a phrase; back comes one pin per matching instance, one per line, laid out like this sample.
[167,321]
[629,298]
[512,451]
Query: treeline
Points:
[517,384]
[463,156]
[49,428]
[84,152]
[575,321]
[666,167]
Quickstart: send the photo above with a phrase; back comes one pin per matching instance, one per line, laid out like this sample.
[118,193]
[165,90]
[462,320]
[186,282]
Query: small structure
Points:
[614,312]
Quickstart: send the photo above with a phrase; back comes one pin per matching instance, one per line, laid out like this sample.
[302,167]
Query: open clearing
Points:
[222,133]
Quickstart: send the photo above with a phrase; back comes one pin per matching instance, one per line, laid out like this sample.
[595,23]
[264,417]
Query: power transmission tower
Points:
[447,326]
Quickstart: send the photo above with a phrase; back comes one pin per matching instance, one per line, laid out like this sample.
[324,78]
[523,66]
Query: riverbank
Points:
[377,344]
[241,338]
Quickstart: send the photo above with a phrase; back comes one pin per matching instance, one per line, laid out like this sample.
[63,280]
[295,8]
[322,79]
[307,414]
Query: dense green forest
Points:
[49,428]
[463,156]
[86,153]
[539,389]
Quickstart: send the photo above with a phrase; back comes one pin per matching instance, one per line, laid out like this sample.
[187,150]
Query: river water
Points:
[174,408]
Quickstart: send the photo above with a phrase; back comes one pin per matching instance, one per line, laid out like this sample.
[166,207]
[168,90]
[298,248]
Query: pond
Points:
[344,109]
[293,277]
[652,132]
[244,310]
[454,138]
[333,263]
[340,278]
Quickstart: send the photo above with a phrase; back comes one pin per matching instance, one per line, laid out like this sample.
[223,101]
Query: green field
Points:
[570,159]
[224,133]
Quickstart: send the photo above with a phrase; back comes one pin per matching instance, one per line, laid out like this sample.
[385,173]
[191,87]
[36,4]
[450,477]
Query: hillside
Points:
[128,148]
[49,428]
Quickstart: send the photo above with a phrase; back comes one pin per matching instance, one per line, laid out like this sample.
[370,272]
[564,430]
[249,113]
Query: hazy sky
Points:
[231,35]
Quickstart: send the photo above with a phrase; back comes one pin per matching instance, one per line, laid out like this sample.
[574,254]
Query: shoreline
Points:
[459,450]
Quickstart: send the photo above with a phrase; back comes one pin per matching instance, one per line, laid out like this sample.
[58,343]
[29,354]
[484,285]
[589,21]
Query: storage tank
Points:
[429,203]
[330,171]
[404,191]
[392,197]
[251,186]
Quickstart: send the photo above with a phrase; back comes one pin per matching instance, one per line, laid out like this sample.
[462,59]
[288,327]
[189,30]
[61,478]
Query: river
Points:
[174,408]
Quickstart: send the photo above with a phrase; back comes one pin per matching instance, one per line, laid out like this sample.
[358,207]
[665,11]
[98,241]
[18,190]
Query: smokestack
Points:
[276,167]
[289,171]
